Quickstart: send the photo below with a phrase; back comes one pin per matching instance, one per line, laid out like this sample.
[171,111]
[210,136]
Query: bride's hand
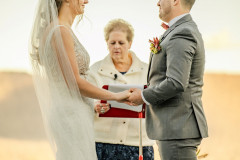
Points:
[122,96]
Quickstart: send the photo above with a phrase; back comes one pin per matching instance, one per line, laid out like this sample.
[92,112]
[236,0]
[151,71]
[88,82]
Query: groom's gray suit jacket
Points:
[175,80]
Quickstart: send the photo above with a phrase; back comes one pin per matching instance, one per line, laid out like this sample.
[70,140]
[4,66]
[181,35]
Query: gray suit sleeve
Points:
[179,54]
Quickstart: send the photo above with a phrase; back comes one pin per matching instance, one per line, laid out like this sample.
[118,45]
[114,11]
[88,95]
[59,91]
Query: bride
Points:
[60,66]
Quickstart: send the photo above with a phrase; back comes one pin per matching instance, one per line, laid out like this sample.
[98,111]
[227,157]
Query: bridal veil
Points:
[68,120]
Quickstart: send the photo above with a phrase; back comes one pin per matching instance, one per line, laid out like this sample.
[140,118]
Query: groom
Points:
[175,116]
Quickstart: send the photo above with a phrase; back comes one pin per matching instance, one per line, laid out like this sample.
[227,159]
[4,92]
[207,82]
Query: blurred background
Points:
[22,135]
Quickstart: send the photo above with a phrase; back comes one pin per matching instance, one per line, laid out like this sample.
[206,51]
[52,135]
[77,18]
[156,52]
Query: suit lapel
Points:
[166,33]
[179,22]
[149,67]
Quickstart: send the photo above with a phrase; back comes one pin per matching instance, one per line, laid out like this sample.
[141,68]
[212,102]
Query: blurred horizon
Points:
[22,134]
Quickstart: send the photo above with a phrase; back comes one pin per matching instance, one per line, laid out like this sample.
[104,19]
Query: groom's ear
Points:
[176,2]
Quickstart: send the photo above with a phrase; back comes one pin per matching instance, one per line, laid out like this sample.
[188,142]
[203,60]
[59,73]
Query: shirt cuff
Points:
[147,103]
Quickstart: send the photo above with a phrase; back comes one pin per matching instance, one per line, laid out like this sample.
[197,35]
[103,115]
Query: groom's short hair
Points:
[188,3]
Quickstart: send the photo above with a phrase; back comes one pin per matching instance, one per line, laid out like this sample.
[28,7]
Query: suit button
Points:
[120,140]
[124,122]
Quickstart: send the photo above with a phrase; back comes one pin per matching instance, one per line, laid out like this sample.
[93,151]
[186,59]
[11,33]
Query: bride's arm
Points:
[86,88]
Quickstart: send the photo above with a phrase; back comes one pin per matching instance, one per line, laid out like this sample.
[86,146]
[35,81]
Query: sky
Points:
[218,21]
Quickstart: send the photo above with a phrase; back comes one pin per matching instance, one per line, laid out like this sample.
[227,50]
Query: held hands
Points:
[135,97]
[131,97]
[122,97]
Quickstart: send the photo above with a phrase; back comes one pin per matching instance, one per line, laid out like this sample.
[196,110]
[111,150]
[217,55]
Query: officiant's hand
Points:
[135,98]
[101,108]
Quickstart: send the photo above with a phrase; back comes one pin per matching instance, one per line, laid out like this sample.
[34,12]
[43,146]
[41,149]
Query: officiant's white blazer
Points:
[119,130]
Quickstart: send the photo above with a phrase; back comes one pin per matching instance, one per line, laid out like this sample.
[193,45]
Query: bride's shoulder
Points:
[65,32]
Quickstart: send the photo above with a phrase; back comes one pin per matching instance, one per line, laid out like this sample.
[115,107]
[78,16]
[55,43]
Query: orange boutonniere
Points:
[155,45]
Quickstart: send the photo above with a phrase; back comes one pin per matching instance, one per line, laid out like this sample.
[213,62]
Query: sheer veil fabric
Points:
[67,116]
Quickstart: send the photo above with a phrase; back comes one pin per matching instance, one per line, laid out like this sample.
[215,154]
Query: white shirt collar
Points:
[174,20]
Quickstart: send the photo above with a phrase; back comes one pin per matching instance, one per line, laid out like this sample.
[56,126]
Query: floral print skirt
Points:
[106,151]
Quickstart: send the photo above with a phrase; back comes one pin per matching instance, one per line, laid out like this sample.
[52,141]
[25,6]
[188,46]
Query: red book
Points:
[119,112]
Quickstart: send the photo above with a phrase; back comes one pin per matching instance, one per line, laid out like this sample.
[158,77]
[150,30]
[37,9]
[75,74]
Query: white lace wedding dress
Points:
[80,134]
[67,114]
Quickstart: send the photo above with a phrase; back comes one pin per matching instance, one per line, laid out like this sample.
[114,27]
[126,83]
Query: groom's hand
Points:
[135,98]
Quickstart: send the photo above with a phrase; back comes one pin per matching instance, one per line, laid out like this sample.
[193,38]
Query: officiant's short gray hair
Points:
[119,25]
[188,3]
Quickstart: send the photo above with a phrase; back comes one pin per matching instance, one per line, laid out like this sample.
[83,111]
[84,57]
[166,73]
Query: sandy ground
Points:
[22,135]
[15,149]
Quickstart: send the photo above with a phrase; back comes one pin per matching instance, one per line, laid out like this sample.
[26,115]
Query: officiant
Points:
[118,138]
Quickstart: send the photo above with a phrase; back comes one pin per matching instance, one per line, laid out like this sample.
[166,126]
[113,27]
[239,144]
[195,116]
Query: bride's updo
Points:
[59,5]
